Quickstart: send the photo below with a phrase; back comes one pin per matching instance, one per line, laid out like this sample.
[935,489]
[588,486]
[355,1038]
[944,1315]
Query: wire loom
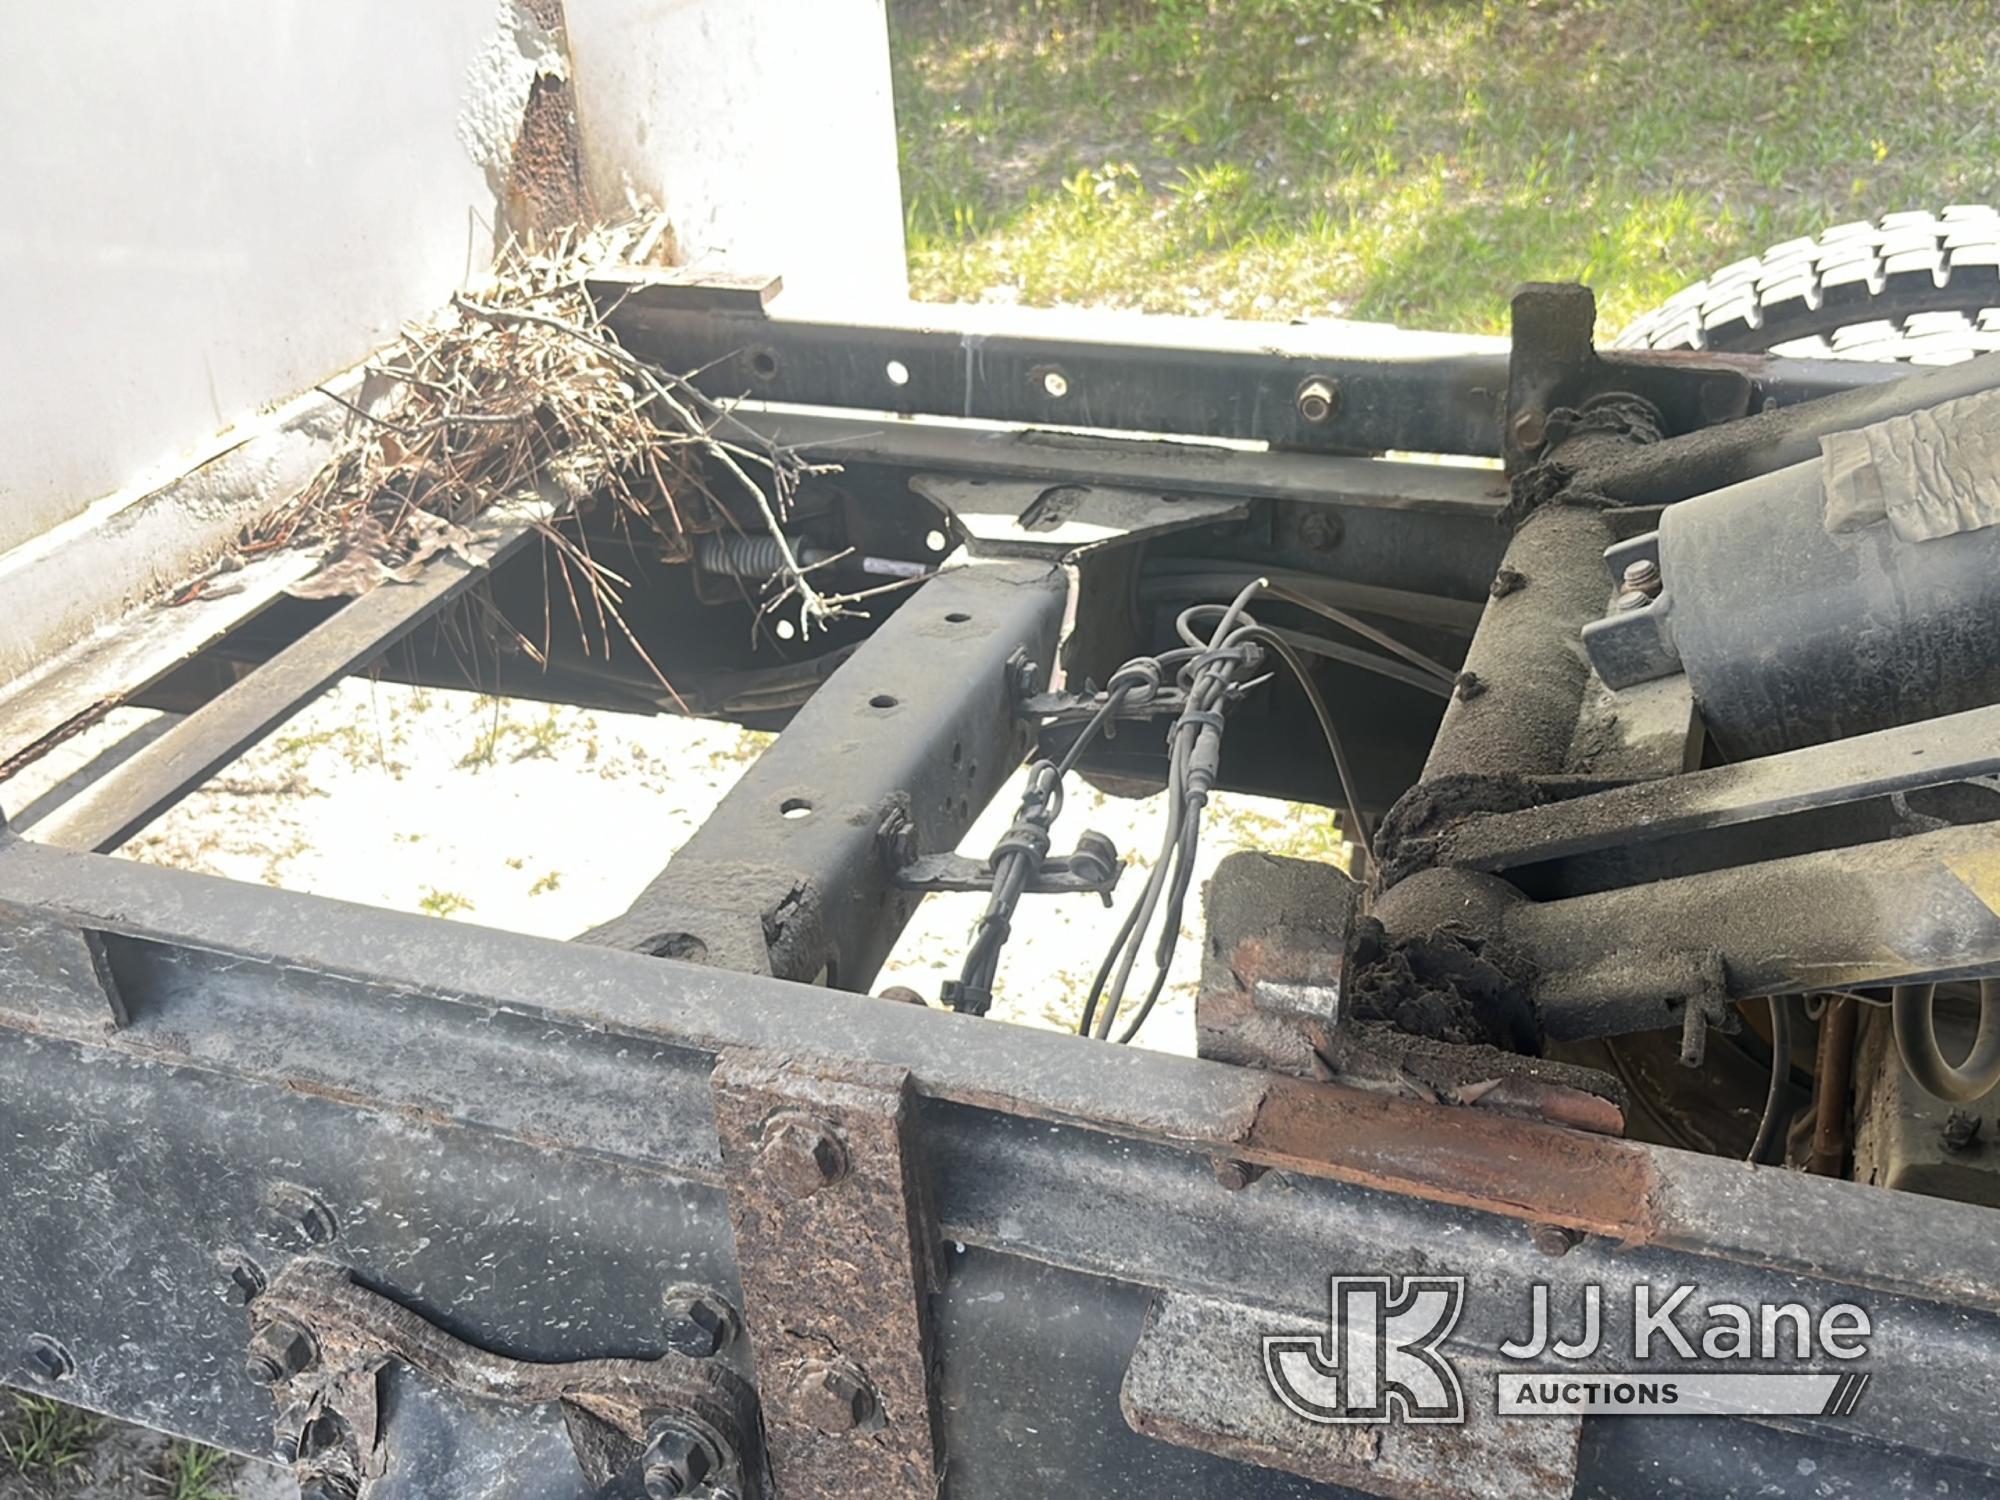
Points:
[1212,674]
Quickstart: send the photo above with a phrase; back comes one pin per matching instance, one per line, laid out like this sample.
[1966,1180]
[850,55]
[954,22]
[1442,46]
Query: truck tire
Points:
[1919,287]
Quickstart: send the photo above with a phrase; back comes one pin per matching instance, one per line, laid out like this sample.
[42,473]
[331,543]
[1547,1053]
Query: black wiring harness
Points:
[1210,675]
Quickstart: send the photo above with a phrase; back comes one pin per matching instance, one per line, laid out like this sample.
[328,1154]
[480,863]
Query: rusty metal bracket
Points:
[837,1245]
[1276,994]
[320,1341]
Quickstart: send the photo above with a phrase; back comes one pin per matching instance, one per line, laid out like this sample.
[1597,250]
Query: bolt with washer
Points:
[833,1395]
[678,1461]
[278,1351]
[698,1322]
[48,1360]
[801,1155]
[1642,576]
[1319,399]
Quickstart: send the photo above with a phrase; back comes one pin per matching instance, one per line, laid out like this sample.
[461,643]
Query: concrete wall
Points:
[209,206]
[765,128]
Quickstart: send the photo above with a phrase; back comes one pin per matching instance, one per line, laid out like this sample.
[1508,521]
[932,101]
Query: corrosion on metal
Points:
[836,1280]
[1470,1157]
[353,1332]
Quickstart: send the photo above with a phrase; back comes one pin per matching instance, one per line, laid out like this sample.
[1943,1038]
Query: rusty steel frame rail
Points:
[1040,1150]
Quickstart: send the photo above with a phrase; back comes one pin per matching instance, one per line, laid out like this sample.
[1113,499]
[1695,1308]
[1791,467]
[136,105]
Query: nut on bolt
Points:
[1318,399]
[698,1322]
[278,1351]
[678,1460]
[1642,576]
[801,1155]
[833,1395]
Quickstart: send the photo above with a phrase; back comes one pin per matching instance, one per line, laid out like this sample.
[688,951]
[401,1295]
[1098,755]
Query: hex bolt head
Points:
[677,1461]
[48,1360]
[1318,399]
[1642,576]
[295,1218]
[698,1321]
[1631,599]
[1321,530]
[244,1280]
[833,1395]
[1961,1131]
[278,1351]
[1026,678]
[1235,1175]
[801,1155]
[1554,1240]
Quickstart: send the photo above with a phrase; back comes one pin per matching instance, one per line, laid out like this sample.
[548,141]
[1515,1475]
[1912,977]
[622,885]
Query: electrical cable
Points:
[1193,760]
[1367,661]
[1781,1075]
[1019,854]
[1357,825]
[1361,628]
[1211,672]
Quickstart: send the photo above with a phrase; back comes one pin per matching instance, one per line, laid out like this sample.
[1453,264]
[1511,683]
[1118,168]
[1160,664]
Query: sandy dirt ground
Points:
[548,820]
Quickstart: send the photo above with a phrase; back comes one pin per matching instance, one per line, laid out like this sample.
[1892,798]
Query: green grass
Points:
[43,1437]
[191,1472]
[1412,161]
[438,903]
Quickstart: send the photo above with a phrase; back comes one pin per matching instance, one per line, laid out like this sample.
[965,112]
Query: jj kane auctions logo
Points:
[1381,1358]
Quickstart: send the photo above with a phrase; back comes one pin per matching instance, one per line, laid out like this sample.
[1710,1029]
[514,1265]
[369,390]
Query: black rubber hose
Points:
[1781,1077]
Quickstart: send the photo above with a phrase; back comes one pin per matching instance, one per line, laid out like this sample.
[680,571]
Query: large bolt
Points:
[801,1155]
[698,1322]
[834,1396]
[278,1351]
[1318,399]
[1530,427]
[1642,576]
[677,1461]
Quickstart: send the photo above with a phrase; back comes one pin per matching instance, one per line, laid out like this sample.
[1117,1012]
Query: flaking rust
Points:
[837,1247]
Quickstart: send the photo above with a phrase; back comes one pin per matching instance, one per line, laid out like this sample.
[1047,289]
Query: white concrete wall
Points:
[208,206]
[765,128]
